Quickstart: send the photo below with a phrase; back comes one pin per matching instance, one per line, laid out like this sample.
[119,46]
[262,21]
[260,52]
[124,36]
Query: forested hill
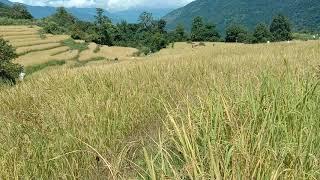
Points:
[304,14]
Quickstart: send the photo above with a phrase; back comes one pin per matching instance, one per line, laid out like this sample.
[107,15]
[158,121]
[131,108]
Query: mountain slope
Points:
[304,14]
[87,14]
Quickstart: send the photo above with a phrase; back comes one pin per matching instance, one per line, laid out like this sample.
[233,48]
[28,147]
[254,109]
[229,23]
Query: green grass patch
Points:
[83,63]
[34,68]
[74,45]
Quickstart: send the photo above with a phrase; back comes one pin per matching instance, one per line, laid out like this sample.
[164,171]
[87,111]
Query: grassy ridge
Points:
[228,111]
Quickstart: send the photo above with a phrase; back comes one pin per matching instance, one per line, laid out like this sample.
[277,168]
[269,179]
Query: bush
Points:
[10,21]
[202,44]
[53,28]
[8,70]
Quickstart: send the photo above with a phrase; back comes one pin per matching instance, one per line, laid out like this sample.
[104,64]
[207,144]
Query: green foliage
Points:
[53,28]
[203,32]
[180,34]
[236,33]
[202,44]
[59,23]
[19,11]
[261,34]
[8,70]
[304,14]
[32,69]
[304,36]
[16,11]
[75,45]
[10,21]
[280,28]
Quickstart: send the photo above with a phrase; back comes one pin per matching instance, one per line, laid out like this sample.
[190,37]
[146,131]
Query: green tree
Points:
[280,28]
[197,29]
[161,25]
[261,34]
[146,21]
[8,70]
[63,18]
[19,11]
[236,33]
[203,32]
[103,26]
[180,34]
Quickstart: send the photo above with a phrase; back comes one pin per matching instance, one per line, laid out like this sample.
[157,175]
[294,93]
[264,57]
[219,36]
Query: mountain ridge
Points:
[304,14]
[87,14]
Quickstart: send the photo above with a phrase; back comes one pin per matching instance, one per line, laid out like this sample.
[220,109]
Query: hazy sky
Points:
[112,5]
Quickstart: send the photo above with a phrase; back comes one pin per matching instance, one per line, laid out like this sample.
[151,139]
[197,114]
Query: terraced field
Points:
[35,48]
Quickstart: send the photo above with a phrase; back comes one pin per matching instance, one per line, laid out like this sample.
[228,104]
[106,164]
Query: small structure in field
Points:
[21,76]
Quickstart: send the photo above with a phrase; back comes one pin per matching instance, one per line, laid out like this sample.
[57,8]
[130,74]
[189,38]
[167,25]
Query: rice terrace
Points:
[101,99]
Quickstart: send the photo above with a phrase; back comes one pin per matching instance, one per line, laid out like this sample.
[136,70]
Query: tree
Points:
[161,25]
[103,25]
[180,34]
[261,34]
[210,33]
[8,70]
[236,33]
[280,28]
[146,21]
[203,32]
[197,29]
[100,18]
[19,11]
[63,18]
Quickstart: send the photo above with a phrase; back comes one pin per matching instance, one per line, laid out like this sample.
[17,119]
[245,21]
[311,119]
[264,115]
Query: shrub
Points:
[202,44]
[280,28]
[8,70]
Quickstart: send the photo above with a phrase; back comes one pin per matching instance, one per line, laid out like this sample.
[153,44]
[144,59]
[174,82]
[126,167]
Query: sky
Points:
[111,5]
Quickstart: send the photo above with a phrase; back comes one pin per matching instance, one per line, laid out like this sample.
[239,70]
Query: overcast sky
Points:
[111,5]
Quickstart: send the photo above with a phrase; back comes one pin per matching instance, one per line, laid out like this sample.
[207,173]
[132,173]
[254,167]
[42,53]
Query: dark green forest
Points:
[304,15]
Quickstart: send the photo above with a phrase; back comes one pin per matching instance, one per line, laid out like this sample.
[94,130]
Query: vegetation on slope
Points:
[303,14]
[229,111]
[8,70]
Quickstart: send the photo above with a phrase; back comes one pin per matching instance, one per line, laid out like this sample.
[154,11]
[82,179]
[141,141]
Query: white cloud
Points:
[113,5]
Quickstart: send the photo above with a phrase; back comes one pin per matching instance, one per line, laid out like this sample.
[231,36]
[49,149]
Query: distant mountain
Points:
[132,15]
[87,14]
[304,14]
[5,2]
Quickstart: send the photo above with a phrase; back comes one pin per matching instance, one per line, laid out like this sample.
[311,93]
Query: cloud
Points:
[112,5]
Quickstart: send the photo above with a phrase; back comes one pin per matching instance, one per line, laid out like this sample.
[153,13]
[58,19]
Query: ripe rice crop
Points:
[27,49]
[53,39]
[9,38]
[38,57]
[106,52]
[232,111]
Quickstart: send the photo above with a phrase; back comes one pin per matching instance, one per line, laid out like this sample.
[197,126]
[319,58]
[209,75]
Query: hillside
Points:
[304,14]
[35,48]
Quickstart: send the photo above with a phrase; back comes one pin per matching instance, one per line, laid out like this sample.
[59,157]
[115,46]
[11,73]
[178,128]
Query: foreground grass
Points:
[224,112]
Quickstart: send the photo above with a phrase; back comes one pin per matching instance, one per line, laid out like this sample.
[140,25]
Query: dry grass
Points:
[40,47]
[106,52]
[231,111]
[53,39]
[59,53]
[9,38]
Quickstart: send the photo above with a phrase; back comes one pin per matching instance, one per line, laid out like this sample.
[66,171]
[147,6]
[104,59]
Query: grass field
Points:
[222,111]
